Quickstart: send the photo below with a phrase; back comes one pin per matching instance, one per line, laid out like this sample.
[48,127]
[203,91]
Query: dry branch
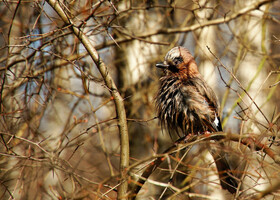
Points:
[122,123]
[218,21]
[181,144]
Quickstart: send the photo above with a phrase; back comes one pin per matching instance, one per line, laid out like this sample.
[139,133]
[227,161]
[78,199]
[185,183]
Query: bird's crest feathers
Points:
[179,62]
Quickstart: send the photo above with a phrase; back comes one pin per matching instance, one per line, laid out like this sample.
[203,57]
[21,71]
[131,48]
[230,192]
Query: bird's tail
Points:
[227,179]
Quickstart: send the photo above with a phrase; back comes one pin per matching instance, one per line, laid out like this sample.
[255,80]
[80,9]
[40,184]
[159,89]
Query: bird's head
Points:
[179,61]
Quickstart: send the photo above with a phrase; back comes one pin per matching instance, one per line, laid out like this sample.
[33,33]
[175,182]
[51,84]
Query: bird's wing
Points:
[205,95]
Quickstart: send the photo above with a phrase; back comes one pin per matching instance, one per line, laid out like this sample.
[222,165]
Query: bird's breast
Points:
[181,108]
[172,106]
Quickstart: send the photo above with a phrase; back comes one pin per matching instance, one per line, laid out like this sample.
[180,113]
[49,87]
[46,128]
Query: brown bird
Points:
[187,105]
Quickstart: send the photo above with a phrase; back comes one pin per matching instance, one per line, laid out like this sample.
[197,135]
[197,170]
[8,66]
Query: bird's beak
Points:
[162,65]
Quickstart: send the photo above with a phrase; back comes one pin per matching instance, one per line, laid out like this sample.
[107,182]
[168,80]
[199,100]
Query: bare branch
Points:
[124,155]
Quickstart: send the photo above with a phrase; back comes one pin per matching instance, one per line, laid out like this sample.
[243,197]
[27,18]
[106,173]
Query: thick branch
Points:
[122,123]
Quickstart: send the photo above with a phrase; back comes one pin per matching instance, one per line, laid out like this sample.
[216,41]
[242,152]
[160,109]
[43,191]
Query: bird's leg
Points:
[207,133]
[188,137]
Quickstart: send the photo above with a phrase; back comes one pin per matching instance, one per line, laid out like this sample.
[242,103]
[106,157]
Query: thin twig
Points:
[248,141]
[238,82]
[119,104]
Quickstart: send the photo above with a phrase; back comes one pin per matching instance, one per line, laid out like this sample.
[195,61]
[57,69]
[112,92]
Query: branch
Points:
[273,188]
[217,21]
[239,84]
[181,144]
[120,109]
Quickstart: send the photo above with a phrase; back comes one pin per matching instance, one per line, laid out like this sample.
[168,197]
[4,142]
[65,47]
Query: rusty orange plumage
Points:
[186,104]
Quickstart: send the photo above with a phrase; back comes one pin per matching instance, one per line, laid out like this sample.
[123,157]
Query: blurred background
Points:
[58,122]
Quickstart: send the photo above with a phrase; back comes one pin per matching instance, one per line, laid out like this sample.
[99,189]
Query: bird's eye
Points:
[178,60]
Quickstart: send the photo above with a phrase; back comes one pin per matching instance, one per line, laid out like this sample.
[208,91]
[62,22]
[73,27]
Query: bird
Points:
[187,105]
